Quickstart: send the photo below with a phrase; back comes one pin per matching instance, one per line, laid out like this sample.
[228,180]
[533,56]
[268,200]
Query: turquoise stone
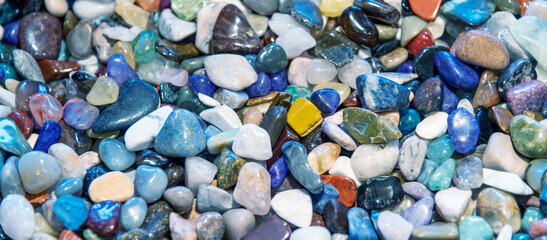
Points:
[38,171]
[298,92]
[521,236]
[320,200]
[442,177]
[360,225]
[69,186]
[11,138]
[296,156]
[9,71]
[71,211]
[474,227]
[10,182]
[469,12]
[408,120]
[531,215]
[529,136]
[144,46]
[271,59]
[150,182]
[428,168]
[114,155]
[440,149]
[63,52]
[180,136]
[133,213]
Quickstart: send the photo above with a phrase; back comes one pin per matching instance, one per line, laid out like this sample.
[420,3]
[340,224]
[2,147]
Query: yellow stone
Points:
[323,157]
[193,214]
[125,49]
[104,91]
[342,89]
[334,8]
[132,14]
[114,186]
[304,117]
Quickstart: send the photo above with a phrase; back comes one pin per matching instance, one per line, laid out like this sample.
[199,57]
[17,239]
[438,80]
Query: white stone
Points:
[68,159]
[294,206]
[364,52]
[89,10]
[320,71]
[371,160]
[119,33]
[173,28]
[505,233]
[338,135]
[17,217]
[348,73]
[4,111]
[230,71]
[32,139]
[436,28]
[499,21]
[298,70]
[89,64]
[90,159]
[57,8]
[281,23]
[207,17]
[500,155]
[452,202]
[411,159]
[253,189]
[433,126]
[543,122]
[1,28]
[7,98]
[141,134]
[11,84]
[198,171]
[224,139]
[394,227]
[252,142]
[337,118]
[464,103]
[295,42]
[259,23]
[505,181]
[222,117]
[342,167]
[311,233]
[208,101]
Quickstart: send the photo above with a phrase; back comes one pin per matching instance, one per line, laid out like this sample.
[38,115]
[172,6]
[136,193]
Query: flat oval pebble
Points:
[289,202]
[103,187]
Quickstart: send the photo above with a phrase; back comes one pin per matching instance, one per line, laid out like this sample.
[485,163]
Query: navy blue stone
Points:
[49,135]
[450,101]
[271,58]
[380,192]
[320,200]
[136,100]
[456,73]
[382,94]
[463,129]
[406,67]
[278,171]
[326,100]
[335,215]
[485,126]
[307,14]
[408,120]
[360,225]
[261,87]
[278,80]
[412,85]
[386,47]
[2,76]
[429,96]
[202,84]
[297,160]
[424,62]
[92,174]
[11,32]
[516,73]
[543,199]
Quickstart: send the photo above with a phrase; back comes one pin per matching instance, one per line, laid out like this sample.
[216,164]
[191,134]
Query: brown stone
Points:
[353,100]
[253,115]
[259,100]
[482,49]
[347,189]
[52,69]
[501,117]
[148,5]
[487,92]
[39,198]
[317,220]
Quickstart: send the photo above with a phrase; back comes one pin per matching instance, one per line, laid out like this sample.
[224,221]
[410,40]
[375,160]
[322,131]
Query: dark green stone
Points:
[314,139]
[228,168]
[193,64]
[336,47]
[168,92]
[176,52]
[282,99]
[271,59]
[188,100]
[156,222]
[273,122]
[368,127]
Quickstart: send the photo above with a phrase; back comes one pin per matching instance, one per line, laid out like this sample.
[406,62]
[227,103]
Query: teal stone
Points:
[298,92]
[10,182]
[188,100]
[38,171]
[9,71]
[63,52]
[11,138]
[468,12]
[475,227]
[114,154]
[71,211]
[408,120]
[150,182]
[133,213]
[69,186]
[529,136]
[531,215]
[144,46]
[440,149]
[271,59]
[297,160]
[535,173]
[442,177]
[192,64]
[180,136]
[428,168]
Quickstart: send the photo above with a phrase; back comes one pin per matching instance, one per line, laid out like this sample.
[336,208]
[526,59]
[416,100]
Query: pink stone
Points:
[44,107]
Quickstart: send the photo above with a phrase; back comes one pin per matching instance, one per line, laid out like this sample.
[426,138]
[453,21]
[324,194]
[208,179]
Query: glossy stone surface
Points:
[460,11]
[115,155]
[454,72]
[296,156]
[181,127]
[39,171]
[523,127]
[16,217]
[13,140]
[79,40]
[303,116]
[103,188]
[368,127]
[44,107]
[498,208]
[33,27]
[150,183]
[379,192]
[527,96]
[232,33]
[429,96]
[463,129]
[516,73]
[49,135]
[326,100]
[358,27]
[307,14]
[104,217]
[380,94]
[474,227]
[72,211]
[480,48]
[424,63]
[156,222]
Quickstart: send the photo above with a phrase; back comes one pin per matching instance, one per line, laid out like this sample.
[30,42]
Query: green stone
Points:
[90,235]
[192,64]
[336,47]
[133,234]
[428,168]
[474,227]
[531,215]
[228,168]
[368,127]
[144,46]
[282,99]
[440,149]
[511,6]
[442,177]
[436,231]
[188,100]
[298,92]
[187,9]
[529,136]
[385,32]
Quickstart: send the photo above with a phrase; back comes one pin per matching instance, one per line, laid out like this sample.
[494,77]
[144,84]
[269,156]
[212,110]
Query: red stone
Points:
[269,37]
[353,100]
[23,122]
[286,136]
[426,9]
[347,189]
[423,40]
[52,69]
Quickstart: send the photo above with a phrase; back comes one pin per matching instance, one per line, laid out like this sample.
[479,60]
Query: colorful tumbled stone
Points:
[454,72]
[528,96]
[326,100]
[12,139]
[304,117]
[368,127]
[104,218]
[380,192]
[470,13]
[480,48]
[49,135]
[529,136]
[228,166]
[71,211]
[296,156]
[463,129]
[232,33]
[381,94]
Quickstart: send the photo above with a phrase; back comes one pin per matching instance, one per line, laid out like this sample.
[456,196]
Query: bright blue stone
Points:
[278,171]
[469,12]
[360,226]
[150,182]
[455,72]
[374,214]
[92,174]
[118,69]
[521,236]
[11,32]
[49,135]
[202,84]
[463,129]
[271,58]
[406,67]
[297,160]
[278,80]
[409,119]
[326,100]
[261,87]
[320,200]
[450,100]
[543,199]
[69,186]
[180,136]
[114,154]
[11,138]
[307,14]
[9,71]
[72,211]
[380,94]
[133,213]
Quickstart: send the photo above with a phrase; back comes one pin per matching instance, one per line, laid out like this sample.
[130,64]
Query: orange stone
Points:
[501,117]
[317,220]
[423,40]
[52,69]
[524,5]
[69,235]
[426,9]
[347,189]
[39,198]
[149,5]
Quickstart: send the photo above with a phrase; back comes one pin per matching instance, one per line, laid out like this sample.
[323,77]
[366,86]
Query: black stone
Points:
[485,126]
[314,139]
[379,11]
[380,192]
[335,47]
[358,27]
[335,215]
[424,63]
[429,96]
[176,52]
[175,175]
[516,73]
[151,158]
[386,47]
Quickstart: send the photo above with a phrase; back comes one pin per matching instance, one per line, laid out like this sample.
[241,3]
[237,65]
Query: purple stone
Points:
[528,96]
[278,171]
[104,218]
[80,114]
[118,69]
[420,213]
[25,90]
[40,35]
[416,190]
[335,215]
[272,228]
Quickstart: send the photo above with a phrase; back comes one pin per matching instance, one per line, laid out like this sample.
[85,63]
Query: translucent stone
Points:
[132,14]
[17,217]
[38,171]
[349,72]
[253,188]
[125,49]
[320,71]
[12,140]
[323,157]
[295,41]
[104,91]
